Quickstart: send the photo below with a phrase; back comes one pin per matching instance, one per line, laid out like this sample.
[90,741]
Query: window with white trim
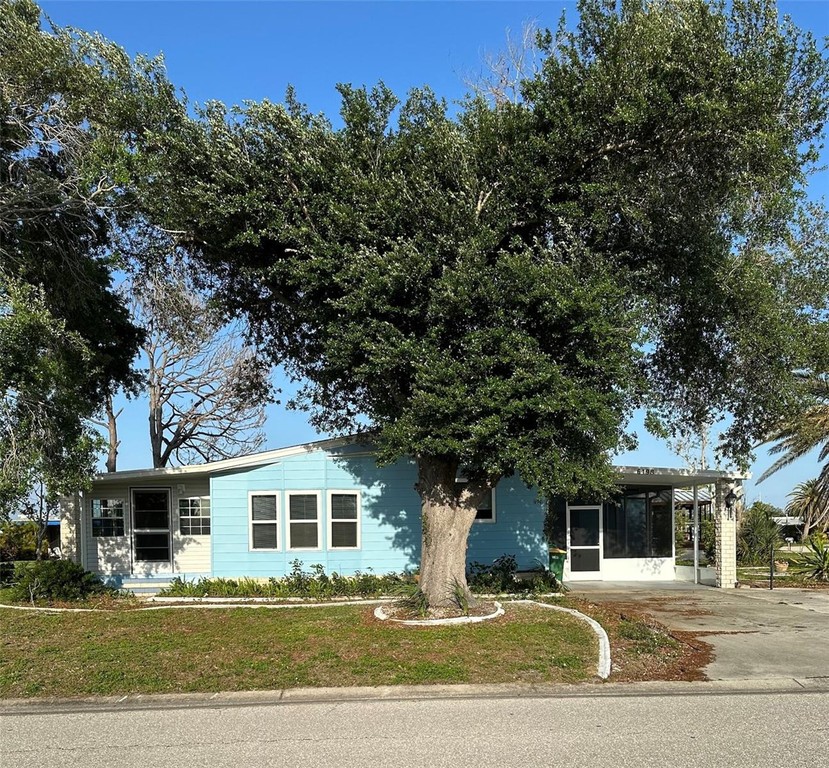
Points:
[107,517]
[303,520]
[486,509]
[343,519]
[264,521]
[194,516]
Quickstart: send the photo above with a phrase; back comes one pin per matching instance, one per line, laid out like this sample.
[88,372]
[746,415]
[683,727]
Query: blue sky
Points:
[234,51]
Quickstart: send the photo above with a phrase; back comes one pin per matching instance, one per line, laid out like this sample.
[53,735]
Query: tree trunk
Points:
[112,432]
[447,518]
[42,520]
[156,425]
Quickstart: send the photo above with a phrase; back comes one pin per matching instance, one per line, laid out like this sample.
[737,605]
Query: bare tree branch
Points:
[207,388]
[504,72]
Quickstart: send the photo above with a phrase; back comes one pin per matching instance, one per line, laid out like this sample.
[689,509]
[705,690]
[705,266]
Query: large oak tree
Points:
[492,292]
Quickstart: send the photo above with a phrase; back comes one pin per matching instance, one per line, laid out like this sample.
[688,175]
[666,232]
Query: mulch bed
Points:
[665,655]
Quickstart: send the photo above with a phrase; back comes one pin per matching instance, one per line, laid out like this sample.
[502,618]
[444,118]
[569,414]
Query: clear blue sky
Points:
[254,50]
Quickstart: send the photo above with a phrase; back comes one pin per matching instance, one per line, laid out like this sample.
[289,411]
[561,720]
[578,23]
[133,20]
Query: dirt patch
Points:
[642,648]
[405,611]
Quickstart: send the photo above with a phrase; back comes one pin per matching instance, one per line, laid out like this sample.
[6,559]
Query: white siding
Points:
[106,555]
[191,554]
[112,555]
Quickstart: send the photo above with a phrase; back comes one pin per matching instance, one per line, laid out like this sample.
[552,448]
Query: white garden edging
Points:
[197,603]
[603,669]
[381,614]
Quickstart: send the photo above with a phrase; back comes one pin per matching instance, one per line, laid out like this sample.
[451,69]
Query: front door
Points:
[584,542]
[151,529]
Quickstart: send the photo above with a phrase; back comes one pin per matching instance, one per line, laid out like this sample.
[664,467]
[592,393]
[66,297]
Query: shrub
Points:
[314,584]
[55,580]
[708,538]
[757,535]
[18,541]
[814,563]
[501,577]
[498,577]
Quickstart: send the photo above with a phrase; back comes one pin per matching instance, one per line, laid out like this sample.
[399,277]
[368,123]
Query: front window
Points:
[107,517]
[264,526]
[303,521]
[344,519]
[194,516]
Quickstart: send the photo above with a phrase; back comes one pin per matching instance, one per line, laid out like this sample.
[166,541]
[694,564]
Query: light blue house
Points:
[328,503]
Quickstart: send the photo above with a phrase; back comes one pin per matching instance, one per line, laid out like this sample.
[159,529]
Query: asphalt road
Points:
[618,726]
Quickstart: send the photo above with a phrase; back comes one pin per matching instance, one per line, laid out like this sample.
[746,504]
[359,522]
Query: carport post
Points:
[696,534]
[725,523]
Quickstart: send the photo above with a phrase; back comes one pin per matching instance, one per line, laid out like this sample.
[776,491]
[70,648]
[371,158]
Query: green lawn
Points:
[169,651]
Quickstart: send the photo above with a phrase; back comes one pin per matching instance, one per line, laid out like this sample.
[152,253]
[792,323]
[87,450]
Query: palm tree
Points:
[803,432]
[809,502]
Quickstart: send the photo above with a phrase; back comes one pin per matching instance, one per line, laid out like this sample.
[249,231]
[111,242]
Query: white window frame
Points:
[202,516]
[492,497]
[288,521]
[276,495]
[330,515]
[122,517]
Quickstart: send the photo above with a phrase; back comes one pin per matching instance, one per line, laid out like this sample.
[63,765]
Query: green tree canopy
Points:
[494,291]
[72,108]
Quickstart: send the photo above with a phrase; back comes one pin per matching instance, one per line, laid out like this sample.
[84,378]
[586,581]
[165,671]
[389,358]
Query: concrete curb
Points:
[200,603]
[297,696]
[603,669]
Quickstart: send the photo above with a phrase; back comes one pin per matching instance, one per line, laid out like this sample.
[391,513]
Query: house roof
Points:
[634,475]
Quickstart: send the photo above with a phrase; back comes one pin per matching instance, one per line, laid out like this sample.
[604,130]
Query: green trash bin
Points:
[557,563]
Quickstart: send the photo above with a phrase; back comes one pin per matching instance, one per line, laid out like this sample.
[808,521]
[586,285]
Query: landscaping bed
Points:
[644,649]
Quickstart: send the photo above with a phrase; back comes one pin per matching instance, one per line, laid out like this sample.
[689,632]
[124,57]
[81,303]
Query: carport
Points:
[631,536]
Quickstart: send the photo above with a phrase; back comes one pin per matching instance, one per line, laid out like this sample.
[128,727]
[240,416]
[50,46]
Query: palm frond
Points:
[801,433]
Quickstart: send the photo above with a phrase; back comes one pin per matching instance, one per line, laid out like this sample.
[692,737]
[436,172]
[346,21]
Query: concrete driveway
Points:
[755,633]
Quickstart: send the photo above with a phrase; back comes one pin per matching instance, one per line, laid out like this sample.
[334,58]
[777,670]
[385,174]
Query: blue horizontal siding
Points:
[391,528]
[517,530]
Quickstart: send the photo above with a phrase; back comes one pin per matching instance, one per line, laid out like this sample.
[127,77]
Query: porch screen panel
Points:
[638,523]
[584,528]
[151,510]
[584,560]
[152,546]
